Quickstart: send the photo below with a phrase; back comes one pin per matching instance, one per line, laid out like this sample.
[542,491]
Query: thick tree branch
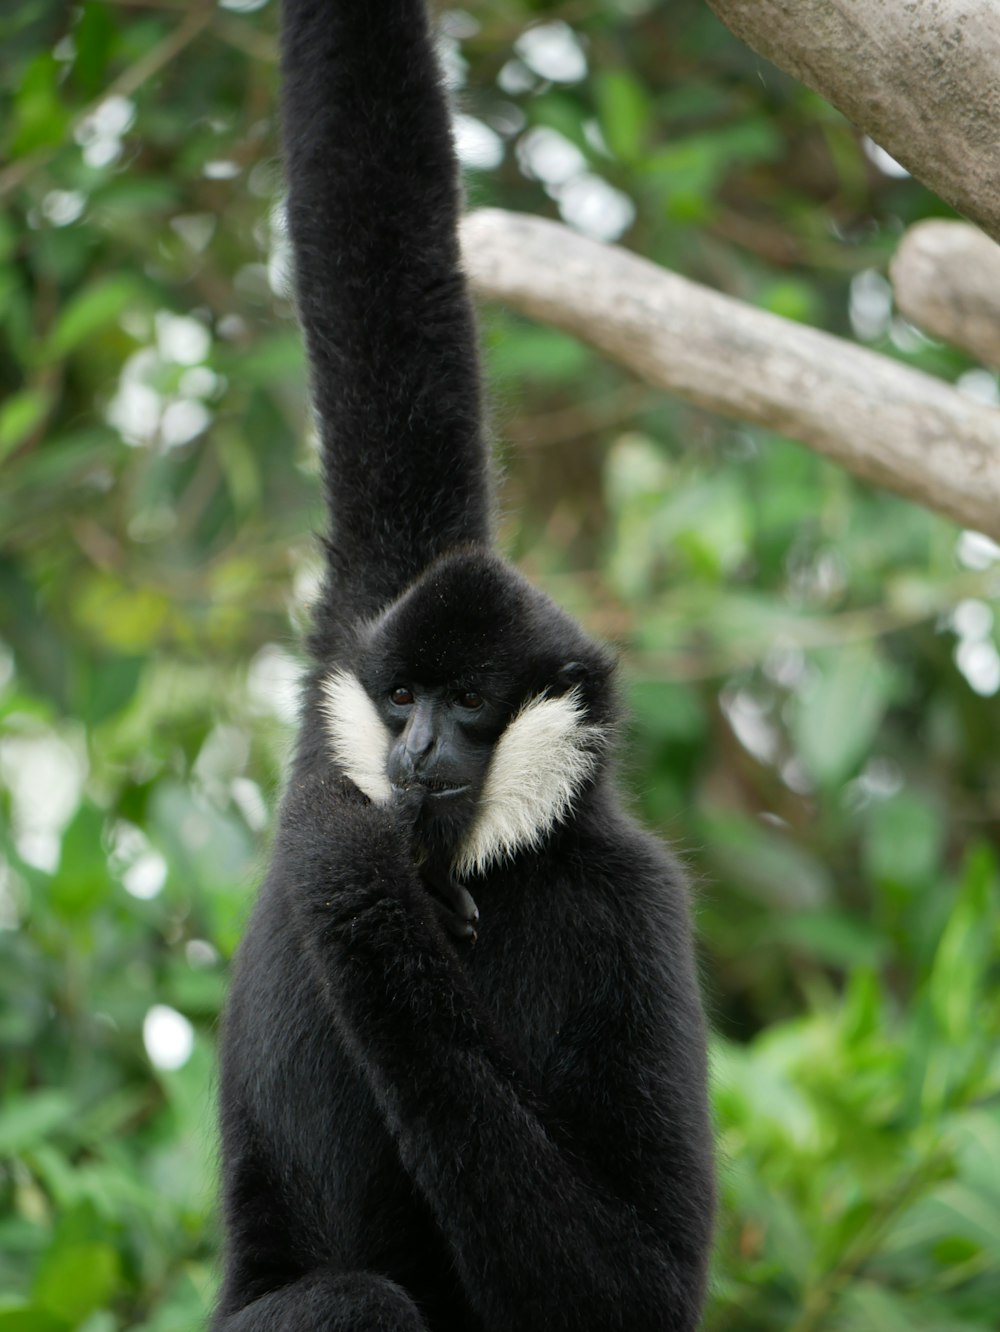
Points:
[923,80]
[946,276]
[885,422]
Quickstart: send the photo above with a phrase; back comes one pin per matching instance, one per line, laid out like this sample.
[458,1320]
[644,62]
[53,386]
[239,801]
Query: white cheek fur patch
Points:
[540,762]
[359,738]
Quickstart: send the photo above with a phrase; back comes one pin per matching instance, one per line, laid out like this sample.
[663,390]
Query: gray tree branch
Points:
[887,423]
[922,79]
[946,277]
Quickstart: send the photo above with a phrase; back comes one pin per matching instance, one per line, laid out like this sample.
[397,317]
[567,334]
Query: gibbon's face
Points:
[476,696]
[443,737]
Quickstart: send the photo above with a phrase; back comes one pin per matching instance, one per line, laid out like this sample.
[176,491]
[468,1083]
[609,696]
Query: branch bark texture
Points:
[887,423]
[946,277]
[922,79]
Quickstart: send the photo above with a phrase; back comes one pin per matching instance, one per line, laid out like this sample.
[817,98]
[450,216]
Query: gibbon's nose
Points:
[418,740]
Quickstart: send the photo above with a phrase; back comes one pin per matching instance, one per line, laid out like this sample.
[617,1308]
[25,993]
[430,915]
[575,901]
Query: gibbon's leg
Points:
[327,1301]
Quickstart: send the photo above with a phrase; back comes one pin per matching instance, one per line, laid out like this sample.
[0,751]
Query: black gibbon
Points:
[434,1120]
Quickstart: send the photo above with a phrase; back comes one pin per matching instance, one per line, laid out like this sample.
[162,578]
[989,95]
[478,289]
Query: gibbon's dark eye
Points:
[401,696]
[470,699]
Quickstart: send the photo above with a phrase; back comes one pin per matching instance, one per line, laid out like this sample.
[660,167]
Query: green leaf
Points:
[81,882]
[273,360]
[93,37]
[97,306]
[965,951]
[75,1279]
[30,1318]
[835,722]
[765,867]
[624,113]
[122,200]
[39,118]
[669,712]
[966,1213]
[119,616]
[542,355]
[904,839]
[791,299]
[862,1012]
[27,1120]
[21,415]
[101,1320]
[832,937]
[239,466]
[867,1305]
[107,686]
[709,524]
[688,172]
[8,239]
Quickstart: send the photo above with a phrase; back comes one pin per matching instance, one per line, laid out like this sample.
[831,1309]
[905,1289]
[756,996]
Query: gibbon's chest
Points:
[529,967]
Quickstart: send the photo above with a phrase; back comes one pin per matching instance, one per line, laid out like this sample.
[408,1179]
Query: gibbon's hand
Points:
[406,804]
[351,861]
[452,902]
[369,883]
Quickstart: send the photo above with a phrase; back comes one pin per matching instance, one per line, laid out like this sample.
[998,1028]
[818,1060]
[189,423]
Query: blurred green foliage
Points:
[813,664]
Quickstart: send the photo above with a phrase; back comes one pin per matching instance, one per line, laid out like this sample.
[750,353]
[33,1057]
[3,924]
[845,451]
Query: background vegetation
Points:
[813,665]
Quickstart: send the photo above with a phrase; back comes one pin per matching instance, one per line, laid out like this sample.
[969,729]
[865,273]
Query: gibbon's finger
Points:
[455,906]
[458,925]
[407,802]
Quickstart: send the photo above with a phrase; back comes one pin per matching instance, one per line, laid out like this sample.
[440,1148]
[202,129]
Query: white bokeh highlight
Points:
[882,160]
[975,550]
[976,654]
[478,147]
[100,133]
[870,305]
[146,876]
[44,775]
[586,201]
[168,1037]
[273,683]
[554,52]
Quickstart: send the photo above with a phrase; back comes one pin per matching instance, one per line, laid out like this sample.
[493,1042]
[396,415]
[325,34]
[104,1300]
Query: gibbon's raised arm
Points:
[373,202]
[580,1218]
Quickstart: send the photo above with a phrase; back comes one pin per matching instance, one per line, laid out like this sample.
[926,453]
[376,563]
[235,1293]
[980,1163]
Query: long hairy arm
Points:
[373,203]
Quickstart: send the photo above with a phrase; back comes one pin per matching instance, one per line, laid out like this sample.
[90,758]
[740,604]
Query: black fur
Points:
[419,1134]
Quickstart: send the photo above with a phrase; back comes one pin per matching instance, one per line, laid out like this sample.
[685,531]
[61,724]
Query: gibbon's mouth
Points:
[442,792]
[436,790]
